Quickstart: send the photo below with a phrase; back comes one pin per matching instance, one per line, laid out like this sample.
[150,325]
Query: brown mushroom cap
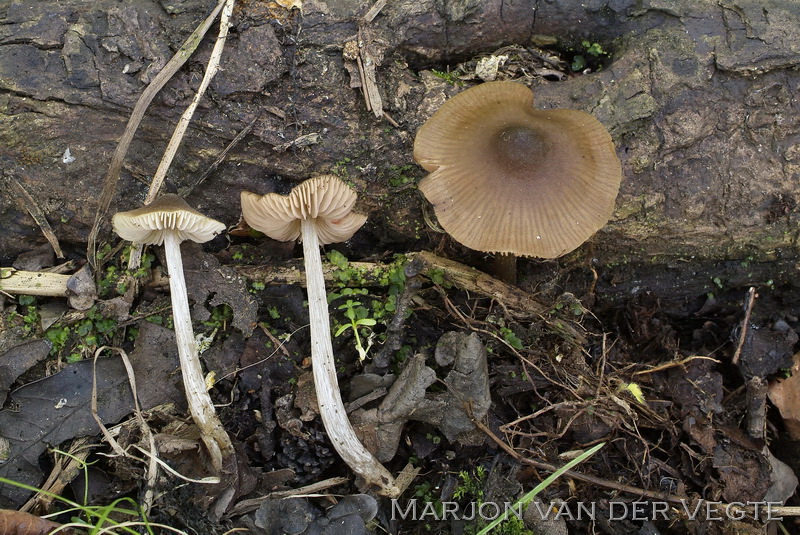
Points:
[324,198]
[508,178]
[168,213]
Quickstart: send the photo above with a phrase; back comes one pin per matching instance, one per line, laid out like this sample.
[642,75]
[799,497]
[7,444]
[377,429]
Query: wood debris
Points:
[361,56]
[518,302]
[33,282]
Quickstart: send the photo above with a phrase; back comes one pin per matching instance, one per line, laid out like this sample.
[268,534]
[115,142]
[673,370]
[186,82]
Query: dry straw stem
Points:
[112,175]
[65,469]
[152,466]
[185,120]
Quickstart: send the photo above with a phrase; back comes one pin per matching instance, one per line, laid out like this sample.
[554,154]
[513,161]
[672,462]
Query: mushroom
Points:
[319,212]
[507,178]
[170,220]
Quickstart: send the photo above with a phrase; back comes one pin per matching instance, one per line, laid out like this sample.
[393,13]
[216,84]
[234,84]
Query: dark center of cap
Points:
[518,148]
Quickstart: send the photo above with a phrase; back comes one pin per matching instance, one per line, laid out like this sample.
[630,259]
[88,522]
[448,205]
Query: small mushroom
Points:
[170,220]
[319,211]
[508,178]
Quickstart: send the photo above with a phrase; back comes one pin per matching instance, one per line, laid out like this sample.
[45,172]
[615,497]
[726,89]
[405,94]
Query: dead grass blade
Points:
[186,118]
[180,129]
[114,168]
[152,467]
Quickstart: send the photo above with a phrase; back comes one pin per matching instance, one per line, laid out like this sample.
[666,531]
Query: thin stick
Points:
[221,156]
[251,504]
[374,10]
[114,168]
[748,308]
[39,217]
[673,364]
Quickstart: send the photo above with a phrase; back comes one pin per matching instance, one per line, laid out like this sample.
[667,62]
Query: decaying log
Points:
[517,301]
[698,96]
[33,282]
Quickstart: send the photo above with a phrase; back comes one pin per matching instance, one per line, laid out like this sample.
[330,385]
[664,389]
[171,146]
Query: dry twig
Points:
[748,308]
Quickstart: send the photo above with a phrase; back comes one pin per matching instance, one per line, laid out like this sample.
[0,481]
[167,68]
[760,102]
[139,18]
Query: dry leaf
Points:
[290,4]
[16,523]
[785,394]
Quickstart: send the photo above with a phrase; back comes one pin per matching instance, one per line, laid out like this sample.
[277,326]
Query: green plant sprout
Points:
[358,312]
[594,49]
[86,335]
[451,77]
[400,175]
[31,317]
[357,315]
[471,486]
[593,56]
[511,338]
[115,278]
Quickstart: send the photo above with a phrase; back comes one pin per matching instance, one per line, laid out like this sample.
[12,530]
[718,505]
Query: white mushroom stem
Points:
[331,408]
[201,408]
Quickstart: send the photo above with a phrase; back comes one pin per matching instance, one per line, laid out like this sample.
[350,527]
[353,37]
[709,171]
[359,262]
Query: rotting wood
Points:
[472,280]
[42,283]
[515,300]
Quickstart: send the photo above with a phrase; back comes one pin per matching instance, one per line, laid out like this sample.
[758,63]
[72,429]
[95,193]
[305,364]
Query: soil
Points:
[647,338]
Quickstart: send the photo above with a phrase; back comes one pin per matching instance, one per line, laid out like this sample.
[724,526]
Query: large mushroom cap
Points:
[508,178]
[168,213]
[324,198]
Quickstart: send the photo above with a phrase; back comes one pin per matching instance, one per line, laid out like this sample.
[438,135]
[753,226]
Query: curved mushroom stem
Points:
[201,408]
[331,408]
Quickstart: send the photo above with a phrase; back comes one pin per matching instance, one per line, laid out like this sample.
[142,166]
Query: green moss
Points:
[451,77]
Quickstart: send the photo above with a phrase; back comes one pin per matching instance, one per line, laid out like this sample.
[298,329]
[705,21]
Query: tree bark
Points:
[698,97]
